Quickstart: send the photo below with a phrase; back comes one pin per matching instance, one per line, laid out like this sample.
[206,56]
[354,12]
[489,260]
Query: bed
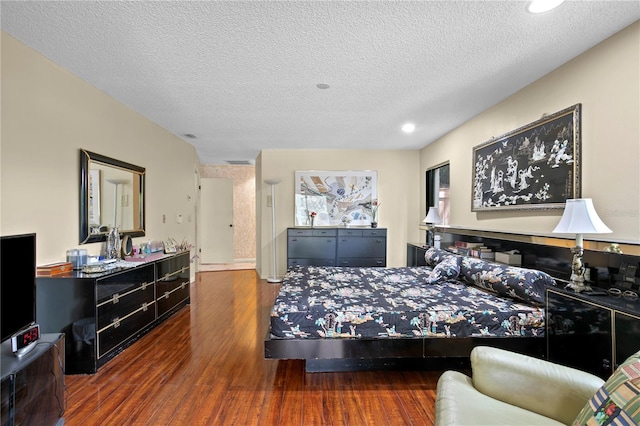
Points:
[344,318]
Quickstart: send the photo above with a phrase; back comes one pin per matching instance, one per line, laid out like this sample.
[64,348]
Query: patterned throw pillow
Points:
[527,285]
[433,256]
[448,268]
[617,402]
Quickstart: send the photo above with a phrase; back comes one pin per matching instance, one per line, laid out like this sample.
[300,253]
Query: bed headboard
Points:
[553,255]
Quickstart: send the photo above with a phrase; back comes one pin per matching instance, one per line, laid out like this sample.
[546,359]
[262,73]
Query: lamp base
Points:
[578,286]
[576,282]
[274,280]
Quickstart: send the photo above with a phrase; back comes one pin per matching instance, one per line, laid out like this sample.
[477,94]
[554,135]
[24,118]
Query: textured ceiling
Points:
[242,75]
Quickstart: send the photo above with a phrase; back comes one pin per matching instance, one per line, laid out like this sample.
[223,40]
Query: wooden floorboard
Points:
[206,366]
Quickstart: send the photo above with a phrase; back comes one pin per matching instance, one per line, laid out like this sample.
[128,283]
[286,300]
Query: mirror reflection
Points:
[111,194]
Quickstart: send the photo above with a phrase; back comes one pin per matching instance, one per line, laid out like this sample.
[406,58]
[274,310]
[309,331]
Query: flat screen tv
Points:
[17,283]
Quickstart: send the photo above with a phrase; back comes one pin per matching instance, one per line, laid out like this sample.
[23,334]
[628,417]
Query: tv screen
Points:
[17,283]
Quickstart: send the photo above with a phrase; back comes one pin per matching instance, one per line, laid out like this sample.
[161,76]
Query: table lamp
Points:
[579,218]
[432,219]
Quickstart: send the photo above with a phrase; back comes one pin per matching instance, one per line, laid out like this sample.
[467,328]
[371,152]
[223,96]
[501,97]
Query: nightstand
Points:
[591,333]
[415,254]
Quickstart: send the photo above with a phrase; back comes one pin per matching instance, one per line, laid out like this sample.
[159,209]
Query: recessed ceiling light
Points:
[540,6]
[408,127]
[322,86]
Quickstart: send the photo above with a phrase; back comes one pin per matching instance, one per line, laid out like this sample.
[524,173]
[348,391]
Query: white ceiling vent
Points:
[240,162]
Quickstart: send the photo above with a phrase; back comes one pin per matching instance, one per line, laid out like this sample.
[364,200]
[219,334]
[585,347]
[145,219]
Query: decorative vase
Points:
[113,244]
[312,220]
[374,224]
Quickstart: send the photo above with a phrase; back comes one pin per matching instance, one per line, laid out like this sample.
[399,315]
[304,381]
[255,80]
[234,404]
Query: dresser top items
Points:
[121,265]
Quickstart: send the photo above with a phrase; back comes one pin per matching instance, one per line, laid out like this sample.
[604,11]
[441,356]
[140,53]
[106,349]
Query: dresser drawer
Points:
[177,266]
[362,247]
[311,262]
[123,302]
[362,261]
[122,328]
[171,294]
[347,232]
[311,247]
[295,232]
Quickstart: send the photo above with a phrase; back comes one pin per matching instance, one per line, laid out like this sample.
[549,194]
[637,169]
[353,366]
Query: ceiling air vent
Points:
[239,162]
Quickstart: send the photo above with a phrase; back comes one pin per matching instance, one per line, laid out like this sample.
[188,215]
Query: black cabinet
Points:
[33,385]
[336,247]
[102,314]
[591,333]
[415,254]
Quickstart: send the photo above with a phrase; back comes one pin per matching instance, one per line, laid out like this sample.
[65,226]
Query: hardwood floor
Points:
[206,366]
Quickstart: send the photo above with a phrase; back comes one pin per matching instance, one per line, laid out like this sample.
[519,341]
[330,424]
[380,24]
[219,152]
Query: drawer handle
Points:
[184,269]
[166,294]
[144,286]
[115,299]
[144,307]
[183,285]
[166,276]
[116,322]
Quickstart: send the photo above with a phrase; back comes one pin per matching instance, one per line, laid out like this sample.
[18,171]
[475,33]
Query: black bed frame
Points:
[438,353]
[415,353]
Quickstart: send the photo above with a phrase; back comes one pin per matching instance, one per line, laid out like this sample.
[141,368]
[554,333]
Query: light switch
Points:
[179,218]
[269,201]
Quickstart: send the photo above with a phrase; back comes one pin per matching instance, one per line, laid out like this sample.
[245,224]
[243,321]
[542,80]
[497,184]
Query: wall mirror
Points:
[111,193]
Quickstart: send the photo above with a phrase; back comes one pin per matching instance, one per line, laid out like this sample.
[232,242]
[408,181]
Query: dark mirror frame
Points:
[86,158]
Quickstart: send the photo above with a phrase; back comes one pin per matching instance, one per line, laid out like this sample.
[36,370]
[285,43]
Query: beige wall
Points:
[397,179]
[606,81]
[48,114]
[244,206]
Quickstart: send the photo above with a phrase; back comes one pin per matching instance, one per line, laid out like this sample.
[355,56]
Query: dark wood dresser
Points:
[102,314]
[337,246]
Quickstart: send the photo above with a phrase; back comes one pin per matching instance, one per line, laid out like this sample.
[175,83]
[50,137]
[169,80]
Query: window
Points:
[438,193]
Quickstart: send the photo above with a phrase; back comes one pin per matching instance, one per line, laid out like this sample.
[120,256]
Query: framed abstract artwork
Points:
[534,167]
[336,197]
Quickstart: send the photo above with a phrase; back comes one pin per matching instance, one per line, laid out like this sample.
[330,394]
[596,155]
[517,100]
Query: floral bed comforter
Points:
[367,302]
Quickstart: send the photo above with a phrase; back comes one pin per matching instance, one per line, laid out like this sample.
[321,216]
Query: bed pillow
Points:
[617,402]
[433,256]
[527,285]
[448,268]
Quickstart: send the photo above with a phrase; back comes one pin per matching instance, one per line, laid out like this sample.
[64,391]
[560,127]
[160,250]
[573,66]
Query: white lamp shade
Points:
[580,217]
[432,216]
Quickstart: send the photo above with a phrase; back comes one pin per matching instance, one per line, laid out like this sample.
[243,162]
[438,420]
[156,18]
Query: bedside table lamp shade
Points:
[579,218]
[432,218]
